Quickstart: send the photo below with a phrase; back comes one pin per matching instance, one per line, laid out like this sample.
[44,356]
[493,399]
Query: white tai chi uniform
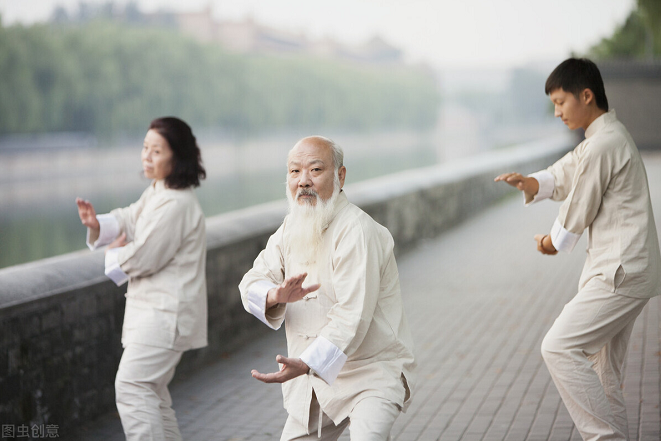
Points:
[166,301]
[604,188]
[352,331]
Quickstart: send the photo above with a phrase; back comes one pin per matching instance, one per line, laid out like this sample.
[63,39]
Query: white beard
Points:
[306,224]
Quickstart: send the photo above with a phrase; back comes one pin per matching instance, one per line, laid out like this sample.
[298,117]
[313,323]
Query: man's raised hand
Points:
[289,291]
[291,368]
[526,184]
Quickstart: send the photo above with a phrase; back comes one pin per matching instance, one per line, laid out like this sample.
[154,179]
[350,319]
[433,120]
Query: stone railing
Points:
[60,318]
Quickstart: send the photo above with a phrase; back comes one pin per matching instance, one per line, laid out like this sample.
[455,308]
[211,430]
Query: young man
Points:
[604,188]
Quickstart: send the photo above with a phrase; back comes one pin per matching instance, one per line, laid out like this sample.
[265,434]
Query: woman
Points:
[158,244]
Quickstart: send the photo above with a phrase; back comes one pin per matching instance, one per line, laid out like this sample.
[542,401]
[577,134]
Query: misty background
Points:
[396,88]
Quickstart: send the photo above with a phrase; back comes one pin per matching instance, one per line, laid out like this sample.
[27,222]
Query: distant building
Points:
[200,25]
[248,36]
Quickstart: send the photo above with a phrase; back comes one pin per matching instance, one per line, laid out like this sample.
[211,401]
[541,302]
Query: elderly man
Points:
[350,357]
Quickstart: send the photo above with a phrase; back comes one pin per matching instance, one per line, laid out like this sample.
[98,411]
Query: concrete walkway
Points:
[479,300]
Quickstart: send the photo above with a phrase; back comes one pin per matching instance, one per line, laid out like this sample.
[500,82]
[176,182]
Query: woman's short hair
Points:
[187,169]
[574,75]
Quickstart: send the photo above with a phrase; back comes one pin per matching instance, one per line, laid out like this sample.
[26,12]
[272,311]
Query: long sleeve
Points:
[546,186]
[592,175]
[267,272]
[324,358]
[112,268]
[108,231]
[555,182]
[128,216]
[160,238]
[356,283]
[563,172]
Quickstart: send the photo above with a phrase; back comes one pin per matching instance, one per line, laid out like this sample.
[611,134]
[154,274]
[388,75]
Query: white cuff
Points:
[546,187]
[324,358]
[108,232]
[257,293]
[113,270]
[562,239]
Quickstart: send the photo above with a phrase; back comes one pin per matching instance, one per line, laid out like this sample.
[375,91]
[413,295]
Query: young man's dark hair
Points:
[574,75]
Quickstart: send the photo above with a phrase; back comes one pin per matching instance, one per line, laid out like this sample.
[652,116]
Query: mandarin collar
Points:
[158,185]
[600,123]
[340,203]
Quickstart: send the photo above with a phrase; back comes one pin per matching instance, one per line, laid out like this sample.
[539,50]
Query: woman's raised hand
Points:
[87,214]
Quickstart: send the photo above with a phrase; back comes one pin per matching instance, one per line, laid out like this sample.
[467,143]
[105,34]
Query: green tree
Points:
[638,37]
[107,78]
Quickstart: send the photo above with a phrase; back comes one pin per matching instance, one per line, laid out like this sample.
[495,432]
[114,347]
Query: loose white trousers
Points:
[371,419]
[142,396]
[585,351]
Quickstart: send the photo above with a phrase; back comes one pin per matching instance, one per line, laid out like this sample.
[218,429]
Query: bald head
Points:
[313,164]
[323,143]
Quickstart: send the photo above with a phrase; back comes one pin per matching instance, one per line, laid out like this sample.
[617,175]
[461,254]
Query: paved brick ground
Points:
[479,301]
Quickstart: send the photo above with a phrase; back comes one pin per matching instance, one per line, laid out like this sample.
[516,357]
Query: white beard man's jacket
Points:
[352,331]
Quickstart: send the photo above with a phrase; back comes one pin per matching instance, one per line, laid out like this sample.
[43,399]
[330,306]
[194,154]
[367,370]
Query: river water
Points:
[38,186]
[38,215]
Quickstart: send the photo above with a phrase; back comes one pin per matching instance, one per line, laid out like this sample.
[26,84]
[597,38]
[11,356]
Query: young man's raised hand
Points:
[526,184]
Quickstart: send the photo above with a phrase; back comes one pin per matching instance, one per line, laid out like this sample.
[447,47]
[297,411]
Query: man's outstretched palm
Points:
[526,184]
[290,291]
[291,368]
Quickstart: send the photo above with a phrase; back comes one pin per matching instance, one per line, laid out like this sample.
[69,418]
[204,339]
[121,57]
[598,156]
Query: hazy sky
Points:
[444,33]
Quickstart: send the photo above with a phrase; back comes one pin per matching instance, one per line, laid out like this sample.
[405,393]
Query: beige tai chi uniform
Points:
[352,332]
[604,188]
[166,301]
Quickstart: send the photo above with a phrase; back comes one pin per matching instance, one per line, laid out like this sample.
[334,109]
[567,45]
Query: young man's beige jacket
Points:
[352,332]
[604,188]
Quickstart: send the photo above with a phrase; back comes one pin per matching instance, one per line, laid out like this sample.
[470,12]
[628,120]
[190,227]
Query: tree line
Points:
[639,37]
[108,78]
